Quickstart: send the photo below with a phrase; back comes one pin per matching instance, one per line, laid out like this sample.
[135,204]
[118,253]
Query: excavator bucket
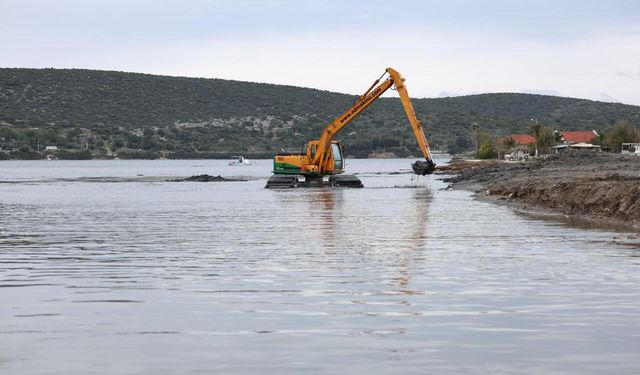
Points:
[423,167]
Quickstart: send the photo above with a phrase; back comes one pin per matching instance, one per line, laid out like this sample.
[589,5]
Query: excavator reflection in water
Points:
[325,156]
[346,243]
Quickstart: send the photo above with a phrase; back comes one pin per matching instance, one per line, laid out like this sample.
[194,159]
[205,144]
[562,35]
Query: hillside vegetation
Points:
[87,113]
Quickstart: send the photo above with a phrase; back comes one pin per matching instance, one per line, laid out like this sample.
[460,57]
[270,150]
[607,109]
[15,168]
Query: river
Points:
[105,268]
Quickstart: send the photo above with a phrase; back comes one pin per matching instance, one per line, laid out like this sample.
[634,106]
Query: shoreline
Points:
[581,189]
[576,220]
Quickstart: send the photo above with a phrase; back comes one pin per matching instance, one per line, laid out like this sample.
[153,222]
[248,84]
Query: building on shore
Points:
[581,146]
[579,136]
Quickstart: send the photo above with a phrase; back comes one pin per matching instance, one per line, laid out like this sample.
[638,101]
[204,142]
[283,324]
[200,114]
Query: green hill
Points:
[141,115]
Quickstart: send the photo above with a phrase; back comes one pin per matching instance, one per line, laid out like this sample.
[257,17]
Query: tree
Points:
[620,133]
[458,146]
[118,143]
[487,151]
[8,134]
[544,137]
[505,146]
[534,130]
[462,142]
[508,143]
[476,130]
[547,139]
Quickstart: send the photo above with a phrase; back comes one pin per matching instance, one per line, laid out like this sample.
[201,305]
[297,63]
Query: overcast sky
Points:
[587,49]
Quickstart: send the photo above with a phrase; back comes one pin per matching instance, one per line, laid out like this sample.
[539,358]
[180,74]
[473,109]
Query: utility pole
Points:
[536,133]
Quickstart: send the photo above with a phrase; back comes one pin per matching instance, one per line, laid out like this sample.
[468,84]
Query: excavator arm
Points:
[416,125]
[322,156]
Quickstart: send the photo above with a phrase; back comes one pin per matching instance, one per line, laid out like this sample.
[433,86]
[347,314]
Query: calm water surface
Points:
[152,277]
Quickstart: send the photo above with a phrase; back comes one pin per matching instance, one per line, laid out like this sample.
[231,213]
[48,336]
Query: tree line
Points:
[113,113]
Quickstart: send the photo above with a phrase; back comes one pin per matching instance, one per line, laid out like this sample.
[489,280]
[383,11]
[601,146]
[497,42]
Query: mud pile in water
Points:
[205,178]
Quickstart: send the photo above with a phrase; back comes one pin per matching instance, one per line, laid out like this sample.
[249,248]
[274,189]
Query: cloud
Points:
[439,53]
[604,97]
[434,63]
[542,92]
[446,94]
[624,74]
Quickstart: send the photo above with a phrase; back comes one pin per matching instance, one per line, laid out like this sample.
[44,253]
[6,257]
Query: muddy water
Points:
[148,277]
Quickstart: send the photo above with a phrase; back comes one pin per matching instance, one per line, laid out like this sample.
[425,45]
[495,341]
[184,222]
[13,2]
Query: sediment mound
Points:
[205,178]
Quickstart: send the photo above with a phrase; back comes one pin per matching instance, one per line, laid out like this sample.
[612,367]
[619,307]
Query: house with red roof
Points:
[586,136]
[521,139]
[520,149]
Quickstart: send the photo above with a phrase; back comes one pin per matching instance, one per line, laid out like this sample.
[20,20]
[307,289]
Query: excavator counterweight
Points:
[325,156]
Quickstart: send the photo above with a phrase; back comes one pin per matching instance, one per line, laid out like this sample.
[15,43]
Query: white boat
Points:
[240,161]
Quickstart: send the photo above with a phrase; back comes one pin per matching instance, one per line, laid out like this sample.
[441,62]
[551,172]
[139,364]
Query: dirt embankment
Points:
[591,185]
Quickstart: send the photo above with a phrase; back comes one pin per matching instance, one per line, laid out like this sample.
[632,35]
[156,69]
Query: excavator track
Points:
[282,182]
[290,182]
[345,180]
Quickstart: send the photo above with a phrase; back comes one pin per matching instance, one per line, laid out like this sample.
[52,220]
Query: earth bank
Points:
[598,186]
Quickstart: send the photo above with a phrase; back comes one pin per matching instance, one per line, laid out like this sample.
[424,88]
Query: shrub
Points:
[618,134]
[487,151]
[73,155]
[138,154]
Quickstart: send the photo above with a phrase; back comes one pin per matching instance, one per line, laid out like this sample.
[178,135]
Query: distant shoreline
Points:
[262,156]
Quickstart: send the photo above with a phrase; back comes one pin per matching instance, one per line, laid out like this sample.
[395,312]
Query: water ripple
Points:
[232,278]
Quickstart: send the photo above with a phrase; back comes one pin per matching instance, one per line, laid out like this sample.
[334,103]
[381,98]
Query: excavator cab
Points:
[338,157]
[334,158]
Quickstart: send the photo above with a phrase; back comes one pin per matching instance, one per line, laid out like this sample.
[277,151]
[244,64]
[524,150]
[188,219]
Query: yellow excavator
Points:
[325,156]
